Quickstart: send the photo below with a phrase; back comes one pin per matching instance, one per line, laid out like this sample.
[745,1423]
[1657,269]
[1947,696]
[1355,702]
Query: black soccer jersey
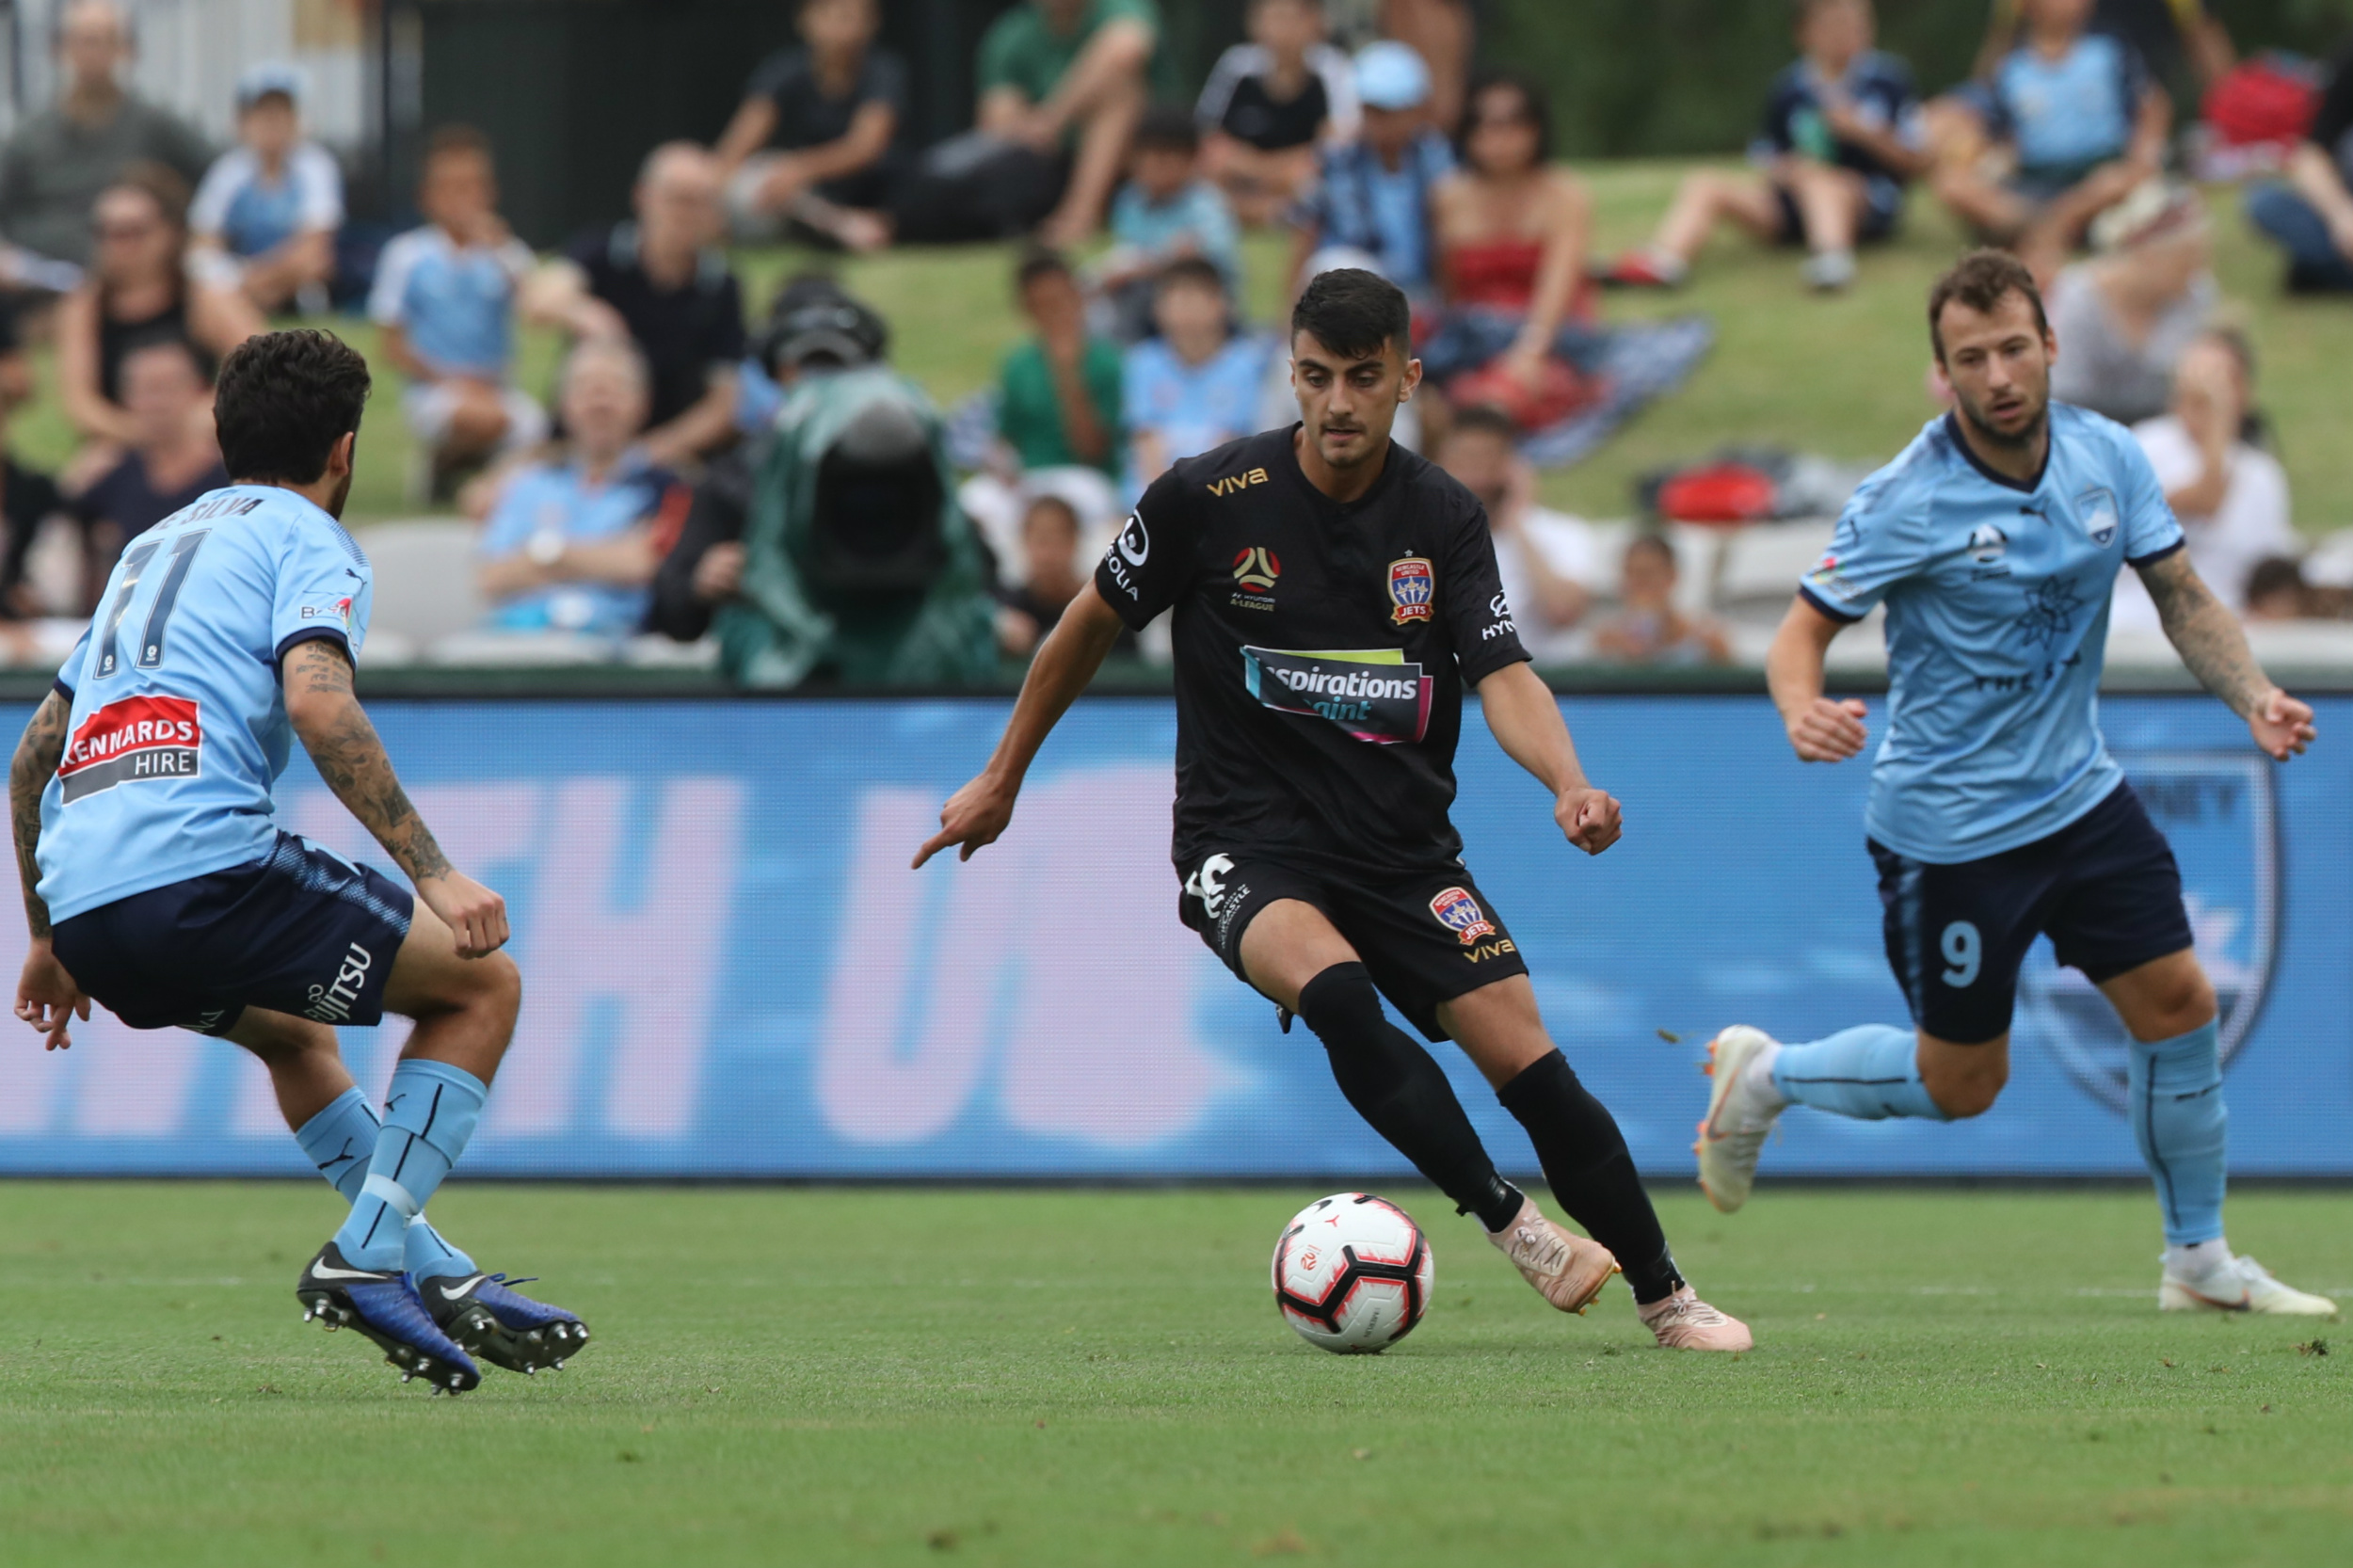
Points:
[1321,650]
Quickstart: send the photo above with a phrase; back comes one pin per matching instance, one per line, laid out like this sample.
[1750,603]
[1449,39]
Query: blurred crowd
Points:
[672,487]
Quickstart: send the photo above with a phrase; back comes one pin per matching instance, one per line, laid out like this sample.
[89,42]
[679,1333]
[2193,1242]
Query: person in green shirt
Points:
[1058,418]
[1074,75]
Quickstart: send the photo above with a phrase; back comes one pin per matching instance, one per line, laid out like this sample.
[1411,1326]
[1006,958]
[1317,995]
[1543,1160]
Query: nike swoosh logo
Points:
[323,1271]
[451,1293]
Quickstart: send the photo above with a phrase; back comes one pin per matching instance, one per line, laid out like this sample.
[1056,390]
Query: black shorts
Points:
[1426,937]
[299,932]
[2105,889]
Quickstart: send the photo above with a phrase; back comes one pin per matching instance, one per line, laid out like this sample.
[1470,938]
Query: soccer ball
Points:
[1352,1274]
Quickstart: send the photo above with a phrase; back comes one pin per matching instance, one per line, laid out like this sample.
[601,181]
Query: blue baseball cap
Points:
[260,81]
[1389,76]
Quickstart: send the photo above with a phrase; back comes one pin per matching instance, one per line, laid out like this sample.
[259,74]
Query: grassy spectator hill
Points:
[1844,377]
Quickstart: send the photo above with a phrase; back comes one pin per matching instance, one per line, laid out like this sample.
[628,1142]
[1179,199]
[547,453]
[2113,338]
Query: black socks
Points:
[1400,1088]
[1585,1161]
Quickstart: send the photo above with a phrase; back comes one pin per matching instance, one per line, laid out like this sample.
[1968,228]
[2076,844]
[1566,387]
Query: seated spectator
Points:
[1055,567]
[1165,211]
[1370,204]
[660,280]
[1646,628]
[573,544]
[2181,41]
[27,499]
[138,291]
[1544,558]
[2310,214]
[57,161]
[1074,75]
[1059,417]
[2123,318]
[810,149]
[267,214]
[2276,591]
[2231,495]
[1269,104]
[172,461]
[1512,231]
[444,301]
[1842,138]
[1195,387]
[2084,126]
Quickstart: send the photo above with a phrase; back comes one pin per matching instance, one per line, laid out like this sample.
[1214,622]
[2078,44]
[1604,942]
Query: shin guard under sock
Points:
[1593,1176]
[1869,1072]
[340,1141]
[1400,1088]
[429,1113]
[2180,1123]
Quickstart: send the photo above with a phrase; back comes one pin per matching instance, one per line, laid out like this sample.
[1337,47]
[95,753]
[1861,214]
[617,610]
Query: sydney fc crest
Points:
[1411,587]
[1460,913]
[2095,509]
[2219,811]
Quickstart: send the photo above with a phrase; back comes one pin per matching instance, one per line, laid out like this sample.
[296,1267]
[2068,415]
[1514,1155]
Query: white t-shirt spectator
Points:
[2252,524]
[252,215]
[1567,546]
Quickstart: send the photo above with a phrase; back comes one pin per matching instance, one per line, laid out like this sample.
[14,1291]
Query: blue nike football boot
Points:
[499,1323]
[383,1306]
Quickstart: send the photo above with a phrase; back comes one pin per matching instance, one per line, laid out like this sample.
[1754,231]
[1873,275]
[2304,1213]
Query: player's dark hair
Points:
[454,140]
[1166,128]
[284,401]
[1354,312]
[1039,262]
[1485,419]
[1535,105]
[1981,280]
[1199,271]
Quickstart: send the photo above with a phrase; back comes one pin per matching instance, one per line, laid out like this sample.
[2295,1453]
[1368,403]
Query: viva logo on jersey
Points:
[1372,692]
[135,738]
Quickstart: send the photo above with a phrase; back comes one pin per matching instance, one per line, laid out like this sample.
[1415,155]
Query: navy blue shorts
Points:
[299,932]
[2105,889]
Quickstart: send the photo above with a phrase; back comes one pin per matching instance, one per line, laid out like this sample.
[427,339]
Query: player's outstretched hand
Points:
[2281,726]
[1829,731]
[973,817]
[48,999]
[1590,818]
[474,915]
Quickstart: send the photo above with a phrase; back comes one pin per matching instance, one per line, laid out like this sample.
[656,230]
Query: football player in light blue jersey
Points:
[1996,814]
[158,883]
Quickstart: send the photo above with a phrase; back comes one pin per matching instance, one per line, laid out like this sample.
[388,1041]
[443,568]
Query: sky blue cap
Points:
[270,76]
[1389,76]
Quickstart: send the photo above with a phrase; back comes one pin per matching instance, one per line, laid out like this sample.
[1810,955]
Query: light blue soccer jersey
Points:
[1997,622]
[179,727]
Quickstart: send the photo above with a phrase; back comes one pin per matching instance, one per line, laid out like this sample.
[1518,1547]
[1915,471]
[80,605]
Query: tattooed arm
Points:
[2210,641]
[335,730]
[46,996]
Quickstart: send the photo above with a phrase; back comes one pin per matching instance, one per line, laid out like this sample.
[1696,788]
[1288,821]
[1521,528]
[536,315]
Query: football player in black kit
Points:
[1333,594]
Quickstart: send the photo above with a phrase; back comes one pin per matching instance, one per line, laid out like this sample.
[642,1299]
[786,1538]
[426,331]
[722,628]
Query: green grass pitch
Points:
[901,1376]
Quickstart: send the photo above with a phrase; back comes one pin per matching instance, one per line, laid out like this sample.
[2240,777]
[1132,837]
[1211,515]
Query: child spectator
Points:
[266,214]
[1166,211]
[445,299]
[2310,214]
[2123,318]
[173,460]
[1058,415]
[1195,387]
[573,544]
[1842,138]
[2085,121]
[1270,104]
[810,149]
[1371,205]
[1068,79]
[1646,628]
[1544,558]
[1055,568]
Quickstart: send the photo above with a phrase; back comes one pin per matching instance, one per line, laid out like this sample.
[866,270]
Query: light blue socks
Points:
[341,1142]
[2179,1121]
[429,1113]
[1869,1072]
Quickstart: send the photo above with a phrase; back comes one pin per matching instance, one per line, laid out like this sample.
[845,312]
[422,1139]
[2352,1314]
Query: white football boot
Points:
[2234,1283]
[1741,1107]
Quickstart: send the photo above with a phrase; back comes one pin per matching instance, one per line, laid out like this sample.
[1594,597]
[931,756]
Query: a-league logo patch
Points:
[1460,913]
[2096,511]
[1411,587]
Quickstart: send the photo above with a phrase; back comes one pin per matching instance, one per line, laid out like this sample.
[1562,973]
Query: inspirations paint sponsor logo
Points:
[1371,693]
[135,738]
